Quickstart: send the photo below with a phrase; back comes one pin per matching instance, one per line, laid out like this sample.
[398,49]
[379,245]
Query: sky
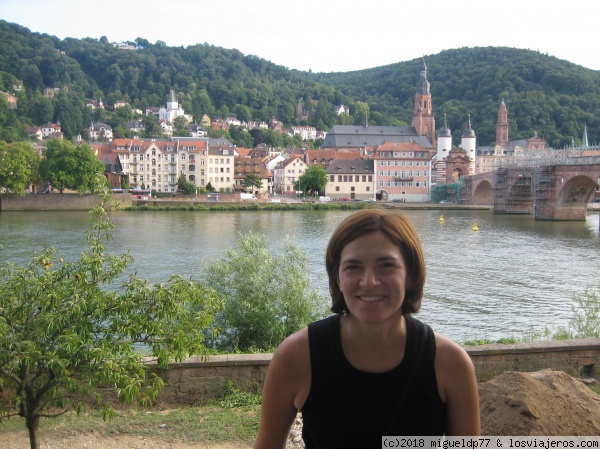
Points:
[327,35]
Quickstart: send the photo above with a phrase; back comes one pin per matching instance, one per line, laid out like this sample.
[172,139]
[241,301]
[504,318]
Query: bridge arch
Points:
[482,195]
[572,199]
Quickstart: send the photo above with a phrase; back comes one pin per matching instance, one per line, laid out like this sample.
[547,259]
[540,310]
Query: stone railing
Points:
[196,379]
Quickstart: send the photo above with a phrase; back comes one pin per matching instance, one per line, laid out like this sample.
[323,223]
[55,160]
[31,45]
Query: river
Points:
[514,276]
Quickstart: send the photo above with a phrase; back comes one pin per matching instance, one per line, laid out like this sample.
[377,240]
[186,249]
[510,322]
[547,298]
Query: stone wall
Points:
[197,379]
[56,202]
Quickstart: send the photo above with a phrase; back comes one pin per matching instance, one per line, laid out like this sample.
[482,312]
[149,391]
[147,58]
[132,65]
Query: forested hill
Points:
[543,94]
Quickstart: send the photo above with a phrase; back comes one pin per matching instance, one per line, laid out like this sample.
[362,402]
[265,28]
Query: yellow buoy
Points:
[441,218]
[475,227]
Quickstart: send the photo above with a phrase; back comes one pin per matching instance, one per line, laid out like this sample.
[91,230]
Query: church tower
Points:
[423,120]
[502,126]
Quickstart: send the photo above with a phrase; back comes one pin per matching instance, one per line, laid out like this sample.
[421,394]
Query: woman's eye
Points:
[351,267]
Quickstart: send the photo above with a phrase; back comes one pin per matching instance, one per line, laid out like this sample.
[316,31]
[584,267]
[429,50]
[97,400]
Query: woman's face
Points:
[372,277]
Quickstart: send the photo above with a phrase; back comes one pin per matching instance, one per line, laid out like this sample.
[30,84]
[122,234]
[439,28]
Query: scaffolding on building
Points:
[447,192]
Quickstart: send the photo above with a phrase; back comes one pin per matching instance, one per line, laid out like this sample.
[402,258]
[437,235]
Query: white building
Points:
[286,173]
[350,179]
[306,132]
[173,110]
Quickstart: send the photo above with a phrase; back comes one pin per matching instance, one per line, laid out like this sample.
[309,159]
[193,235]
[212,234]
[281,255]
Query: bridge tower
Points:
[468,143]
[444,145]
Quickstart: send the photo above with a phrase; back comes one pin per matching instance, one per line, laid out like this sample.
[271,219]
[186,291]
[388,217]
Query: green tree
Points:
[185,186]
[252,180]
[313,180]
[67,330]
[265,298]
[19,165]
[66,166]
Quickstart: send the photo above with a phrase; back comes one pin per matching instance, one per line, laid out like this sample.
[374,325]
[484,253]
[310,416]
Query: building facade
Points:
[403,172]
[350,179]
[286,173]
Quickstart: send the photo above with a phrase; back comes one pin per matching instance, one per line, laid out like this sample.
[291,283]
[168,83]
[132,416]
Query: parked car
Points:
[446,202]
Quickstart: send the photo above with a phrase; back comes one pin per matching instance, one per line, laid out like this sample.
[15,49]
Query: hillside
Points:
[543,94]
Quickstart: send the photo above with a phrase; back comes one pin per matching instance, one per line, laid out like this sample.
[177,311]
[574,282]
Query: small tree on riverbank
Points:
[67,331]
[266,298]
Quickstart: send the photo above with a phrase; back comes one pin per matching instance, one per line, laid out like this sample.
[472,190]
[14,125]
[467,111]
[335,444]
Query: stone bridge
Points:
[555,191]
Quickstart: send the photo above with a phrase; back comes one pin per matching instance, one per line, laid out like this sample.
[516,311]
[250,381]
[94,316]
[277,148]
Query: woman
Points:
[371,369]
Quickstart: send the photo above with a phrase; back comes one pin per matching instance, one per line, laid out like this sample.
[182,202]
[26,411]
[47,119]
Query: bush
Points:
[266,298]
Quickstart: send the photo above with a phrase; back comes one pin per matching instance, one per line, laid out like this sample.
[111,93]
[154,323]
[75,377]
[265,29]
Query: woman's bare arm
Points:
[284,392]
[458,387]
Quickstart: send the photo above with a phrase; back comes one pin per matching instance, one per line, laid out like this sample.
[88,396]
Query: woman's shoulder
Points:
[447,350]
[294,347]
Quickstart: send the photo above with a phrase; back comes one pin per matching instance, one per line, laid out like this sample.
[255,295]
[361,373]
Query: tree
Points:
[252,180]
[183,185]
[265,298]
[67,330]
[66,166]
[18,167]
[314,179]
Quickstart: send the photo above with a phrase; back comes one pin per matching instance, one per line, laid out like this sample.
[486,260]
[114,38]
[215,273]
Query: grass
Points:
[232,418]
[204,424]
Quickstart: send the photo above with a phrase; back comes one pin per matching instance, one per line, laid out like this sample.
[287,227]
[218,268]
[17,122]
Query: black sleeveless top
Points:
[349,408]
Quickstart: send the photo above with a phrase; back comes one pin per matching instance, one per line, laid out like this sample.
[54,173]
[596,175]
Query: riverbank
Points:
[75,202]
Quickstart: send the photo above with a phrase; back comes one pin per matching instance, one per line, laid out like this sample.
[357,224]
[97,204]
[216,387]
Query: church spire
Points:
[584,139]
[423,120]
[423,85]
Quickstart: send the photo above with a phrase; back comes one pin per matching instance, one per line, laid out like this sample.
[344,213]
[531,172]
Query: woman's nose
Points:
[369,277]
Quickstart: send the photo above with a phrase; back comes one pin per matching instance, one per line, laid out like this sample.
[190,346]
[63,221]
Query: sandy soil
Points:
[542,403]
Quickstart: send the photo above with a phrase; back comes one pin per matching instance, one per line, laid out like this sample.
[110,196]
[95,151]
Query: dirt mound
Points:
[541,403]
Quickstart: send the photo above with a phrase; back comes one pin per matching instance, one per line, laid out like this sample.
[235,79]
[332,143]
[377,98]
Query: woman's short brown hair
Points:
[400,230]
